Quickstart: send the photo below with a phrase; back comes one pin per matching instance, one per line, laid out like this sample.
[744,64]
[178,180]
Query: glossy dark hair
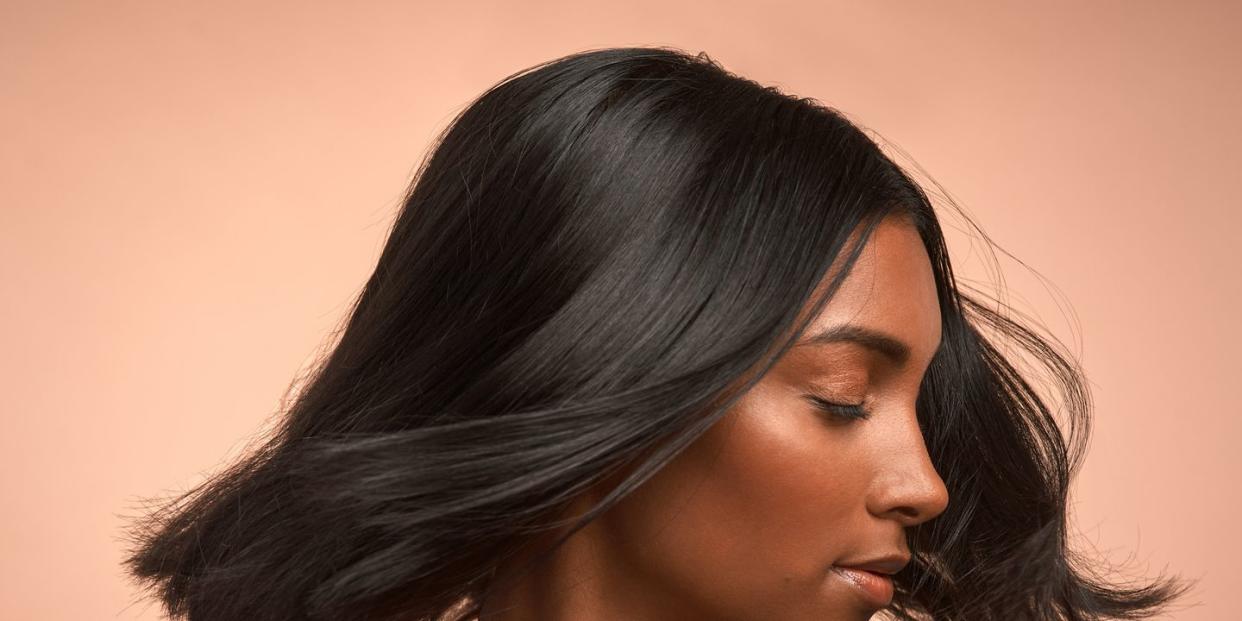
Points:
[593,255]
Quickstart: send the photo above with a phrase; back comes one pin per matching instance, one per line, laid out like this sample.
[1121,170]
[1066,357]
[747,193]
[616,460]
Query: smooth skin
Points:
[745,524]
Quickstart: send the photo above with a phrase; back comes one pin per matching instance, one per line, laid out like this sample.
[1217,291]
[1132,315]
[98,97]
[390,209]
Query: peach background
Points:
[193,192]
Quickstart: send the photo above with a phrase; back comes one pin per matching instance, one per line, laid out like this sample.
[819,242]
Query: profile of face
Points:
[750,520]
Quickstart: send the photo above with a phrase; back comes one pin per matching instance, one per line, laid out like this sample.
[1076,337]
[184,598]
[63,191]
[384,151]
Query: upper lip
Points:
[889,564]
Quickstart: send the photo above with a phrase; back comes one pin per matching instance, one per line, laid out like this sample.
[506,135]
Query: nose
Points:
[906,487]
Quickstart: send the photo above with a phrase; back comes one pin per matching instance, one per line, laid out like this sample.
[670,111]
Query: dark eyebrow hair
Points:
[890,347]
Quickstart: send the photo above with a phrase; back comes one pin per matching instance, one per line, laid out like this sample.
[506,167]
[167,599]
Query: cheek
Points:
[758,507]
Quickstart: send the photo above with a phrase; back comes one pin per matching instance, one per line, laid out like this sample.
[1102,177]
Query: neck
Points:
[586,577]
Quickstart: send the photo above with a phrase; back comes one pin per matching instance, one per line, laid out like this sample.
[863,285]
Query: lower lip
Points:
[876,588]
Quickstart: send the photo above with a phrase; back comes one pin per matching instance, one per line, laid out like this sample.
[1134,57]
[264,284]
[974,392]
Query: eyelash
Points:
[846,411]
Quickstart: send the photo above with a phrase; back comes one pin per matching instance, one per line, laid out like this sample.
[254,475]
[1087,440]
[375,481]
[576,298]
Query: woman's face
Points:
[748,522]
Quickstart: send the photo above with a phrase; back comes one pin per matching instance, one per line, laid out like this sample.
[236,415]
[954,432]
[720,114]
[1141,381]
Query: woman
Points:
[649,340]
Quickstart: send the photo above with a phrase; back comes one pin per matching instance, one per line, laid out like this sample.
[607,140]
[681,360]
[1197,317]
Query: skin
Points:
[745,523]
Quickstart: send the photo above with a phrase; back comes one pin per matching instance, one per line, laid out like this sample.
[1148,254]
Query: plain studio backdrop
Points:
[193,193]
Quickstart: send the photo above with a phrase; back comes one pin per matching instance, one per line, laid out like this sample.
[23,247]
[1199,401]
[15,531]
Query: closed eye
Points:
[848,411]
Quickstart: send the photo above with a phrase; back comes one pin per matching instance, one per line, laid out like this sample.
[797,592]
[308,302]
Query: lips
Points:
[876,589]
[871,579]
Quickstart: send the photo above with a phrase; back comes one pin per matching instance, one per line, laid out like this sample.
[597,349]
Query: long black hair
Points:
[593,255]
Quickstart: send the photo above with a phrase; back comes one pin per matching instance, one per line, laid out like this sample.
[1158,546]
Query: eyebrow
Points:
[893,349]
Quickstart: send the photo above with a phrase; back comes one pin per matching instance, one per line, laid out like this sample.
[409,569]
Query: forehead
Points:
[890,288]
